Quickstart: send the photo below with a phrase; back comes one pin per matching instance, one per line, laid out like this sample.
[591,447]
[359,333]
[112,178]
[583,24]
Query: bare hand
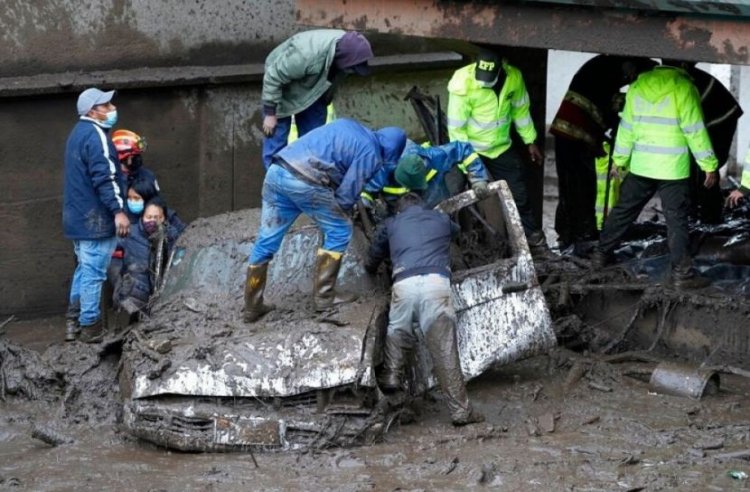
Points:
[122,224]
[711,179]
[269,124]
[614,173]
[535,154]
[734,198]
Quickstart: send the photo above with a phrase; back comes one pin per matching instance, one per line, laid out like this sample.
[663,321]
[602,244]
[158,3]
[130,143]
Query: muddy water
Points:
[537,437]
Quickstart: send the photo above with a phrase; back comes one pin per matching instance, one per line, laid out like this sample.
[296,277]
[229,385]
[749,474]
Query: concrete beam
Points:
[601,30]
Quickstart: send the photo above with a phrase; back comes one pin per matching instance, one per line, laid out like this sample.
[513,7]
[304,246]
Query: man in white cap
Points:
[93,210]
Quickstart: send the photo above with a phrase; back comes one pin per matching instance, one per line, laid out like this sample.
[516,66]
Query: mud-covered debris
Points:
[451,466]
[734,455]
[599,387]
[50,436]
[709,444]
[547,422]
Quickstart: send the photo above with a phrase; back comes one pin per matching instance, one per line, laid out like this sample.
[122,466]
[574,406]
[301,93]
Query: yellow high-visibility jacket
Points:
[481,117]
[661,123]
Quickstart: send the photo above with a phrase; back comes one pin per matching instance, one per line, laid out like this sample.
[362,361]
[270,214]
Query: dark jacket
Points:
[343,155]
[142,172]
[136,282]
[94,185]
[418,241]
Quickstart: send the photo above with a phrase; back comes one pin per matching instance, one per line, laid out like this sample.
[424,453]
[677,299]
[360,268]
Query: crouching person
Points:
[320,175]
[422,293]
[150,241]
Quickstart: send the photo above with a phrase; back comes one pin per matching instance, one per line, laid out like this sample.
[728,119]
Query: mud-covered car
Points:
[195,377]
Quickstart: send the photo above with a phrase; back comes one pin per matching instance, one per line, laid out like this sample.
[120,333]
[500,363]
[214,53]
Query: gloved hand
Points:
[481,188]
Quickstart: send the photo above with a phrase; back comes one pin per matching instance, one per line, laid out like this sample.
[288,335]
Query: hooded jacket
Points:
[661,123]
[438,161]
[297,71]
[94,185]
[343,155]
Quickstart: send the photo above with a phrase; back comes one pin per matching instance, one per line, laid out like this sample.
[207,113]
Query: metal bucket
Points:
[684,380]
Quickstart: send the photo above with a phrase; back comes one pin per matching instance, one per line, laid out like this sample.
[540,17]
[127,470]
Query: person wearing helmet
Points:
[130,147]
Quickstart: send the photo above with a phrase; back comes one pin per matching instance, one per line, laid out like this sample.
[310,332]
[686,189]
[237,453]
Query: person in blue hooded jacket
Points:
[438,161]
[93,210]
[320,175]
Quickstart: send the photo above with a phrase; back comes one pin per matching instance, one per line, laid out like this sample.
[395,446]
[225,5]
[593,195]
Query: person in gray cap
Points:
[93,210]
[301,75]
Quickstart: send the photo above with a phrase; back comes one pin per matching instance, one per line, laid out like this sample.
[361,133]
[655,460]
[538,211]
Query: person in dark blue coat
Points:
[421,294]
[320,175]
[93,210]
[136,280]
[130,147]
[438,161]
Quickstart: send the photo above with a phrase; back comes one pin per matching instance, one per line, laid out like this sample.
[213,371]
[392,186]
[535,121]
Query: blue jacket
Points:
[94,186]
[418,241]
[136,282]
[343,155]
[438,161]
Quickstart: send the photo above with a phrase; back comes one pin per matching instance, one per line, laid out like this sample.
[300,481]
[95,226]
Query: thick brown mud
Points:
[559,422]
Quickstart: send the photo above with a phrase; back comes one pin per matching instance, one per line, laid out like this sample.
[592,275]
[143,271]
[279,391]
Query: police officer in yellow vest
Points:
[662,123]
[485,98]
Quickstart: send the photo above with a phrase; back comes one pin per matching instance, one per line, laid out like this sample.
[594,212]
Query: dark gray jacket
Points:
[418,241]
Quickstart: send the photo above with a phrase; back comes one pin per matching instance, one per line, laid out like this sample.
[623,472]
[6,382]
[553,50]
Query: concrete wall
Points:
[204,137]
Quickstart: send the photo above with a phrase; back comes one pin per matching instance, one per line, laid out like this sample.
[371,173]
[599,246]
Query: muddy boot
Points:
[92,333]
[599,259]
[255,284]
[393,365]
[443,346]
[72,328]
[539,248]
[685,278]
[327,265]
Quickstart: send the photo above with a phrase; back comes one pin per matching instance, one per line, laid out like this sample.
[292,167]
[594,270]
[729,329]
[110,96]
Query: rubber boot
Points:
[599,259]
[443,346]
[538,246]
[393,365]
[255,284]
[92,333]
[685,278]
[72,328]
[327,265]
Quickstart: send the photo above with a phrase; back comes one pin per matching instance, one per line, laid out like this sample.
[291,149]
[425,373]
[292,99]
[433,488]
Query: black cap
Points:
[488,66]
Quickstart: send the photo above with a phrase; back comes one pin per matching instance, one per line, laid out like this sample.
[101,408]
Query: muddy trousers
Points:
[426,300]
[635,193]
[285,197]
[575,216]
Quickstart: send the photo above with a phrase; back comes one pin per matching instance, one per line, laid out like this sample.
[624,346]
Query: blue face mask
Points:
[136,206]
[111,119]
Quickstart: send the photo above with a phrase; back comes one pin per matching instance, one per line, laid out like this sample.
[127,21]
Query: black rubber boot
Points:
[394,355]
[443,346]
[255,285]
[327,265]
[92,333]
[599,259]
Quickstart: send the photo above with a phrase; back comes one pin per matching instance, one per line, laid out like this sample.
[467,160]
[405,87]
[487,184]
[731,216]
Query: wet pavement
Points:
[549,427]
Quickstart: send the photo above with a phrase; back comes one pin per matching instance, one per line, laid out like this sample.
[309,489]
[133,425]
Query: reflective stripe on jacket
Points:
[438,161]
[661,123]
[601,164]
[745,180]
[481,117]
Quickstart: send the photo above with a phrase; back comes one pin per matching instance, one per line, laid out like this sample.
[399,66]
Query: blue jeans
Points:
[421,299]
[91,272]
[309,119]
[284,198]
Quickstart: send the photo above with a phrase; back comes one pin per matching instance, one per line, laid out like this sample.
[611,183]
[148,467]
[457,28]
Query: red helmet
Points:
[128,143]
